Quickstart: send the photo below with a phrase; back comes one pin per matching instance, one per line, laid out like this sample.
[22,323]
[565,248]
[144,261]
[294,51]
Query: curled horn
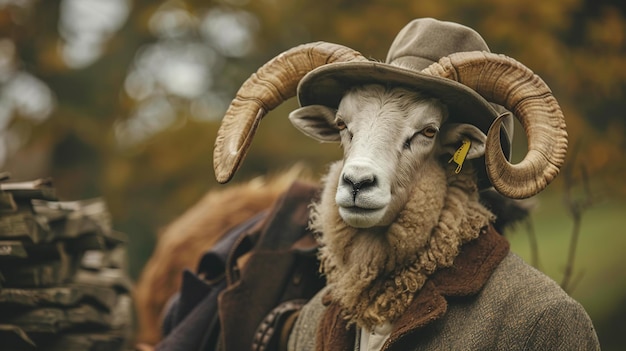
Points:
[503,80]
[273,83]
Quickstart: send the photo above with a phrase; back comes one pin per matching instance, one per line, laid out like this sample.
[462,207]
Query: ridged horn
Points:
[507,82]
[273,83]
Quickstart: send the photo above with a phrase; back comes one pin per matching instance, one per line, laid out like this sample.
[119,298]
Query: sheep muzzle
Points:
[363,194]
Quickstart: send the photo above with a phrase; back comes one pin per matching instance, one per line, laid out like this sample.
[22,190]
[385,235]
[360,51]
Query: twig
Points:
[576,207]
[571,257]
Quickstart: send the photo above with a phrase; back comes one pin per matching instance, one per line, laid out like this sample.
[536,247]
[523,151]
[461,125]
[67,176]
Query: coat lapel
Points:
[333,332]
[471,270]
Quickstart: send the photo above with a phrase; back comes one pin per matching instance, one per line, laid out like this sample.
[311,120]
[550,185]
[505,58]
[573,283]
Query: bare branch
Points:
[576,207]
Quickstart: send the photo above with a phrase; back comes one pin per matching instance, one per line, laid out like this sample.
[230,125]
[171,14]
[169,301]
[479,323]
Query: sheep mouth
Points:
[360,217]
[361,210]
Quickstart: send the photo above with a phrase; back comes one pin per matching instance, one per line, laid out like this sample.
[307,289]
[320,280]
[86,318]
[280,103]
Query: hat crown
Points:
[424,41]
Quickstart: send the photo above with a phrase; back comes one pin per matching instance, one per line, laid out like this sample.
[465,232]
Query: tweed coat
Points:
[489,300]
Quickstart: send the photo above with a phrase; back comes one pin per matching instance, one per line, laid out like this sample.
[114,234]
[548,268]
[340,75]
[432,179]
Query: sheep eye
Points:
[341,125]
[429,132]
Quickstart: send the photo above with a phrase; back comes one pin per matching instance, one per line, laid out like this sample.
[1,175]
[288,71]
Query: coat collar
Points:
[471,270]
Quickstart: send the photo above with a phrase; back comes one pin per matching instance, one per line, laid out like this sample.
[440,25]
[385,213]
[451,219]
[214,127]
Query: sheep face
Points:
[389,136]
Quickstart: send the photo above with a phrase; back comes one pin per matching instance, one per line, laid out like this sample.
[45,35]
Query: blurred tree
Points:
[122,99]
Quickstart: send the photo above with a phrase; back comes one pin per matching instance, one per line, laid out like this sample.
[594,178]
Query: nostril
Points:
[347,181]
[360,184]
[365,183]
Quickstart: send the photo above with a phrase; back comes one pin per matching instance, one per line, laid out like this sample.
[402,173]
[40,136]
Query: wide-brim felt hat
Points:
[418,45]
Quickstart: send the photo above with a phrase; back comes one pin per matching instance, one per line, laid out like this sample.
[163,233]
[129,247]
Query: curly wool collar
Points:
[374,273]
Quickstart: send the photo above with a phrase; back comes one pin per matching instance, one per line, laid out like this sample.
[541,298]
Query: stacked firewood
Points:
[63,272]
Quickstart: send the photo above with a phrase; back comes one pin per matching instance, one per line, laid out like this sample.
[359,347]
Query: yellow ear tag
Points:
[460,154]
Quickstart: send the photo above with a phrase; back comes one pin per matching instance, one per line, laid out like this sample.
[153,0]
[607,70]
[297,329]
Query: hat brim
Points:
[327,84]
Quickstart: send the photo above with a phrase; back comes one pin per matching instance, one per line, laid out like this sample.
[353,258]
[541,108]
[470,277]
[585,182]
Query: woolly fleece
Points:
[375,272]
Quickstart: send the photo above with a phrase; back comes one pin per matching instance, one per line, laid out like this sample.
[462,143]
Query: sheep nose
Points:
[359,183]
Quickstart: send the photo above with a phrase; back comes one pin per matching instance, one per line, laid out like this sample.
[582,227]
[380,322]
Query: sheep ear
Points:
[452,135]
[317,122]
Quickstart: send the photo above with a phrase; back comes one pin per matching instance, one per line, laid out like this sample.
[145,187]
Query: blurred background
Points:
[122,99]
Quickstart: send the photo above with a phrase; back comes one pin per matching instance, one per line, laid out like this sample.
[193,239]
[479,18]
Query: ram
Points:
[402,228]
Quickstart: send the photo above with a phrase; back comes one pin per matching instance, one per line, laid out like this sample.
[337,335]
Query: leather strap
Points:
[268,334]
